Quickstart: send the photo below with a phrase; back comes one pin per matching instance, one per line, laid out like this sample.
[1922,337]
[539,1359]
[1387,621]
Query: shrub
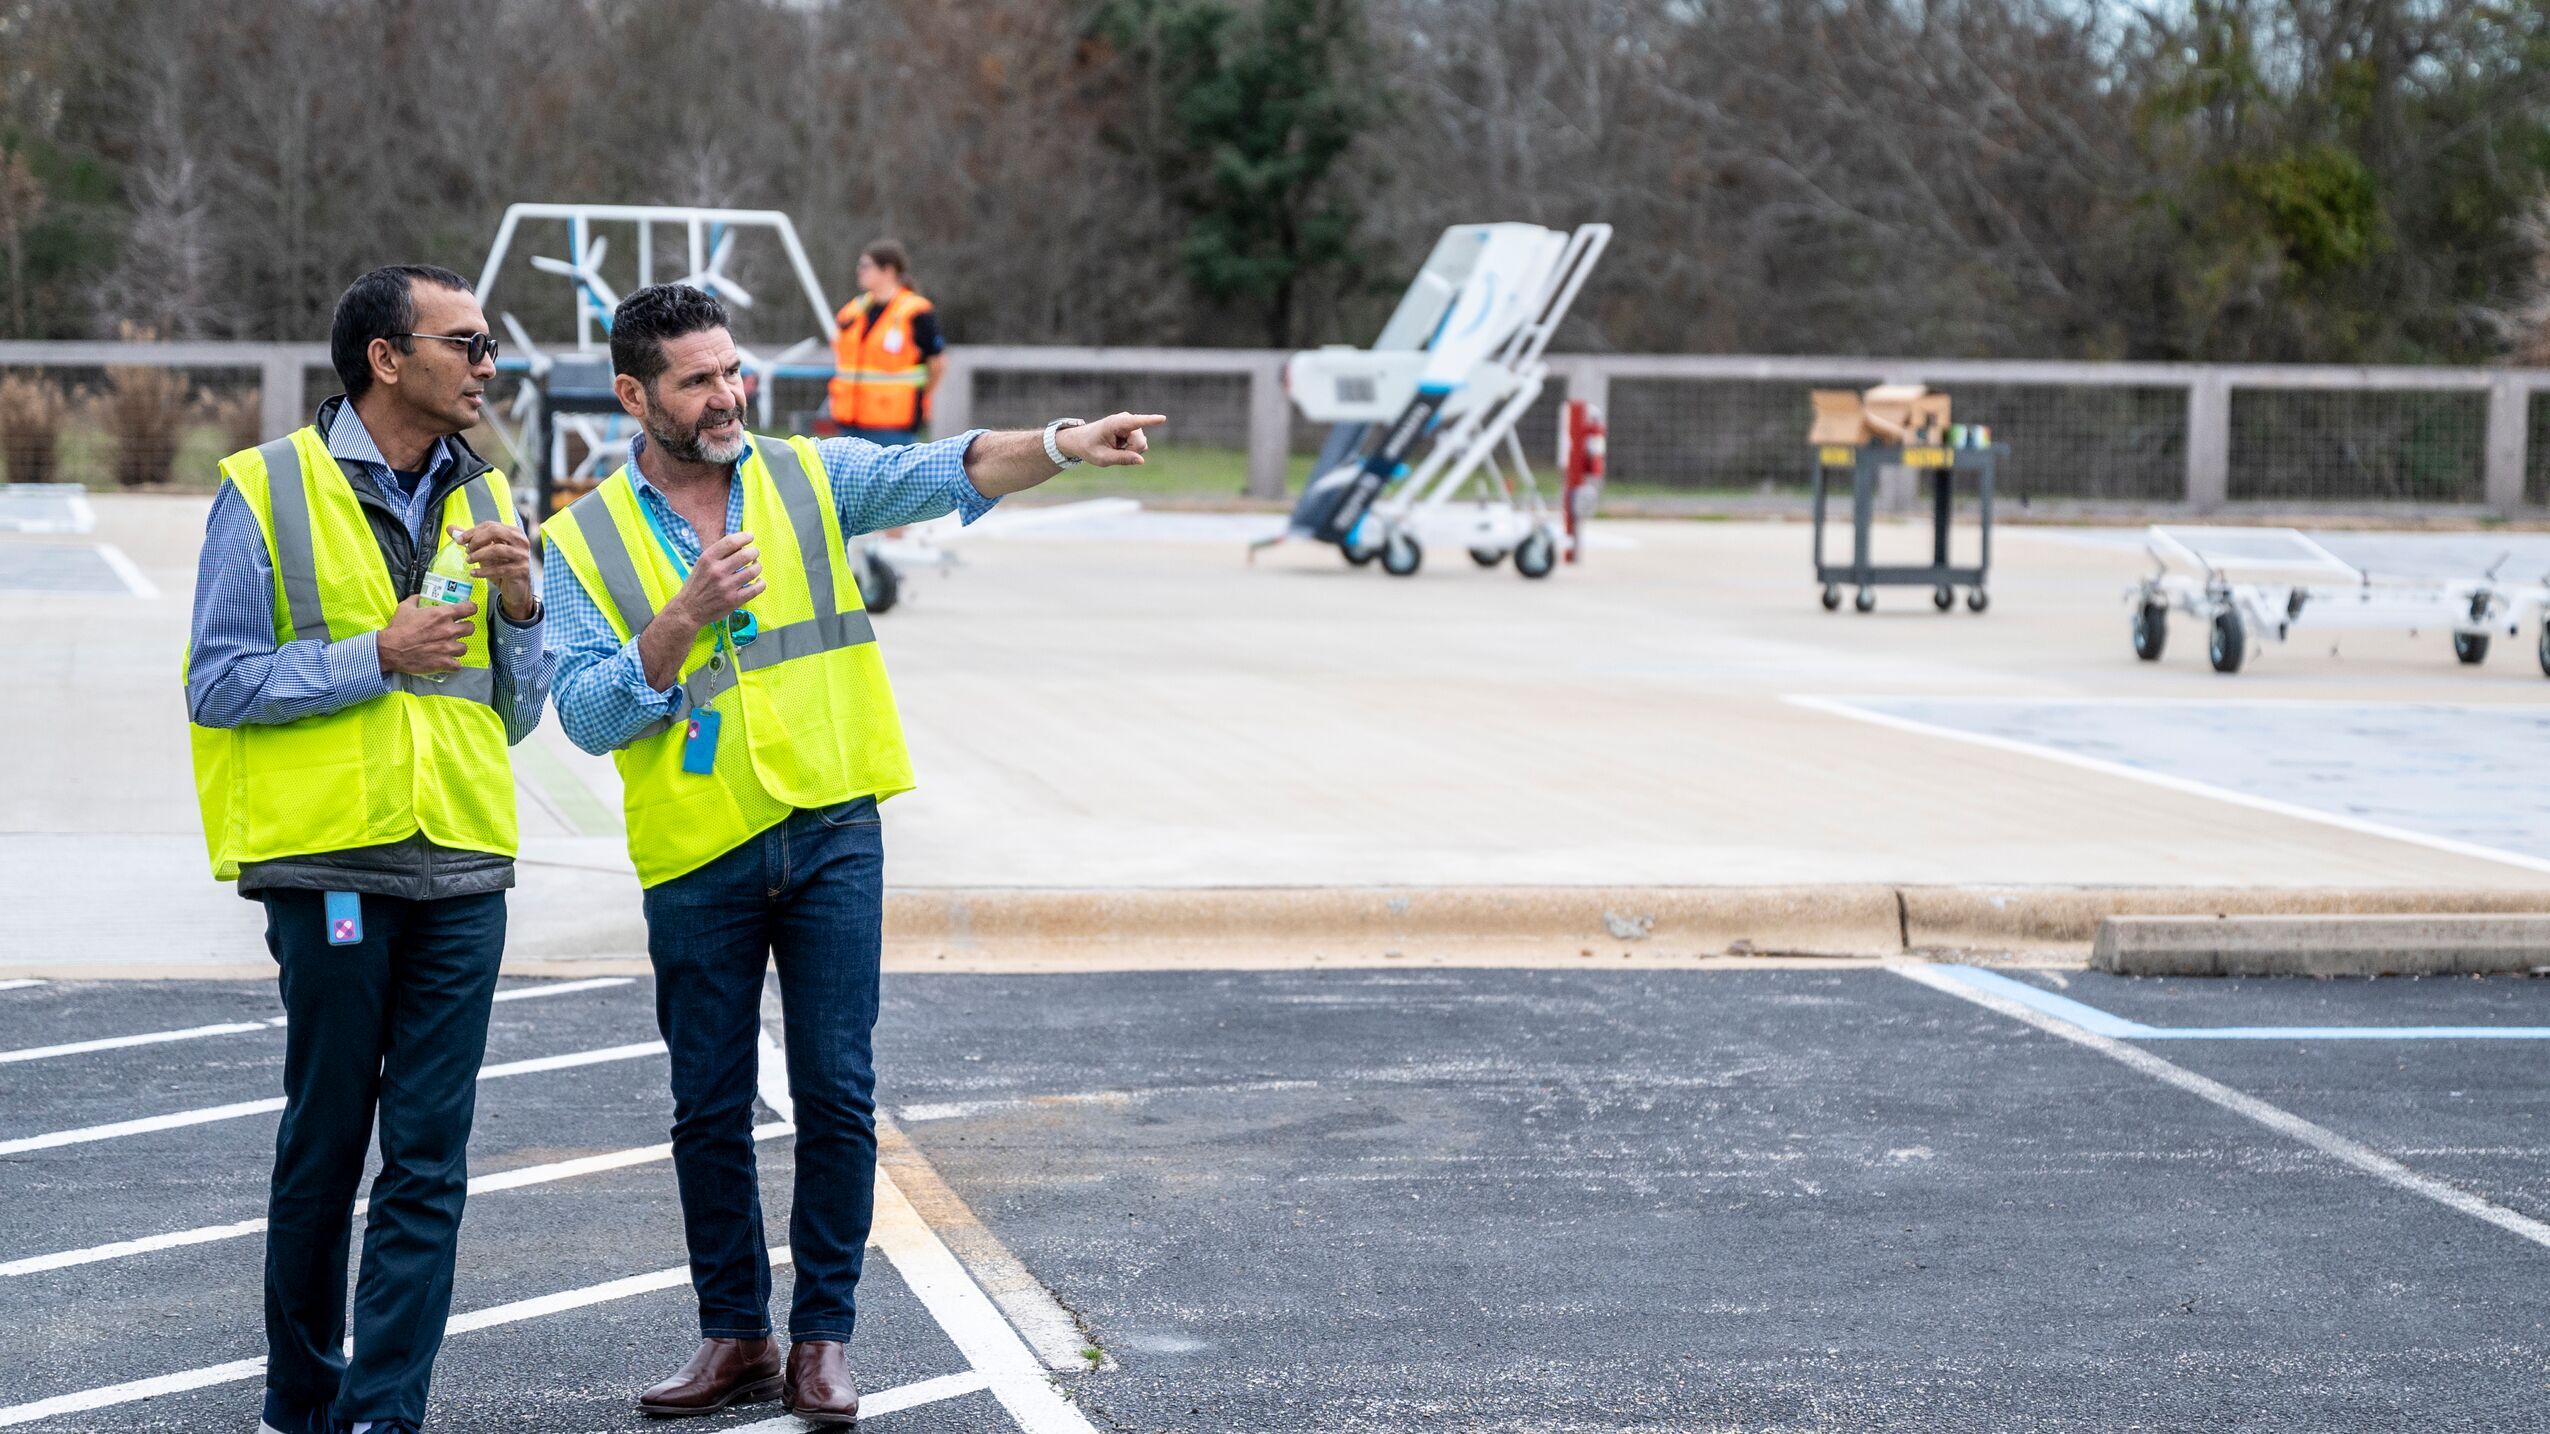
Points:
[144,410]
[32,411]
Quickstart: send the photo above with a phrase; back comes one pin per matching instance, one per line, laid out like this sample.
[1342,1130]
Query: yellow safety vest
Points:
[806,716]
[425,756]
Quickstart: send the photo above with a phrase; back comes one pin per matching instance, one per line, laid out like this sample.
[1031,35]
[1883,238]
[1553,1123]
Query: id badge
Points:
[345,918]
[699,742]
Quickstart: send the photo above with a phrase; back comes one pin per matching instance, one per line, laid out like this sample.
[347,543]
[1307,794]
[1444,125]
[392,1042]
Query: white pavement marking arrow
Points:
[209,1114]
[2354,1154]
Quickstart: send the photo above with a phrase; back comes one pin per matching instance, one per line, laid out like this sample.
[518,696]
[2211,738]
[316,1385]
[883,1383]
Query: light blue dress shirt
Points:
[604,699]
[237,675]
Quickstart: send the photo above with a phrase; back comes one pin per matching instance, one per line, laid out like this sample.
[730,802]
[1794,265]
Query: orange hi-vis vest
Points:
[878,371]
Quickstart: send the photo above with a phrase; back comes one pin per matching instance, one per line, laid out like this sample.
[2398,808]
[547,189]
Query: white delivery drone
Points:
[1454,370]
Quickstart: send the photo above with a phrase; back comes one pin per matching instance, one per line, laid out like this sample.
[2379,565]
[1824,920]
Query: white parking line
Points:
[884,1401]
[501,1180]
[236,1370]
[208,1114]
[1010,1369]
[540,1307]
[2354,1154]
[21,983]
[236,1028]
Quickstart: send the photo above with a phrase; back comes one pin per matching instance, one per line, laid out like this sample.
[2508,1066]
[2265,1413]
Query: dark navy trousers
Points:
[809,896]
[394,1026]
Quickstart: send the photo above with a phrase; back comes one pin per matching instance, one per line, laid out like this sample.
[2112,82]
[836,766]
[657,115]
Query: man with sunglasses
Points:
[351,761]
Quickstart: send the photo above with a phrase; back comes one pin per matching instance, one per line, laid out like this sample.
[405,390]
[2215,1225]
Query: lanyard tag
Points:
[345,918]
[699,741]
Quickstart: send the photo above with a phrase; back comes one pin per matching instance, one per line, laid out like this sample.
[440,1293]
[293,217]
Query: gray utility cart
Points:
[1944,466]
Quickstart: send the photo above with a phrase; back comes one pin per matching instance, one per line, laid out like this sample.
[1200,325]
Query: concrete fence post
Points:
[952,397]
[281,390]
[1589,380]
[2208,440]
[2509,425]
[1270,429]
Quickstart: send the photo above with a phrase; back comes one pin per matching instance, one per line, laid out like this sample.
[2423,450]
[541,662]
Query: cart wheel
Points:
[1401,555]
[2151,631]
[1977,600]
[1944,597]
[1833,599]
[880,587]
[2545,647]
[2230,644]
[1537,555]
[1359,557]
[1486,557]
[2471,648]
[1866,601]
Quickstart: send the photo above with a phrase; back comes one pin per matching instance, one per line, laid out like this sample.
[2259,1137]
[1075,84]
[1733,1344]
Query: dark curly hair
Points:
[646,318]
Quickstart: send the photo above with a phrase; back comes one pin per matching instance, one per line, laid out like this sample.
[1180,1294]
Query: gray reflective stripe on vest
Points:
[288,506]
[612,561]
[804,502]
[482,501]
[470,684]
[776,645]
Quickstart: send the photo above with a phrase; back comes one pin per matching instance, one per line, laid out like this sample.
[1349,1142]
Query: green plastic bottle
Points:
[446,581]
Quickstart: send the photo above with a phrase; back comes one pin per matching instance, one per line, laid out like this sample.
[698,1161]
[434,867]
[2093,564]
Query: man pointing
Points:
[709,635]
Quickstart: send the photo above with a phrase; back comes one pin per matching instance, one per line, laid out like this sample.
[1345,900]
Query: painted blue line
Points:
[2097,1022]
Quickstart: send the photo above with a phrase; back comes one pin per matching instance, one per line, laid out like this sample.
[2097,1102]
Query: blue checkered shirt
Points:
[604,699]
[236,674]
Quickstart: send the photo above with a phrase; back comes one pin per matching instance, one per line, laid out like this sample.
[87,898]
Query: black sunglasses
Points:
[482,347]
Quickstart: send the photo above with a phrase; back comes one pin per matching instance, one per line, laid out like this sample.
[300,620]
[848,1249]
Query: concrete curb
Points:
[1203,928]
[2427,945]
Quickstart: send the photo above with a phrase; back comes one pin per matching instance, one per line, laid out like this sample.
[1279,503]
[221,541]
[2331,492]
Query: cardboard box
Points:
[1895,414]
[1837,418]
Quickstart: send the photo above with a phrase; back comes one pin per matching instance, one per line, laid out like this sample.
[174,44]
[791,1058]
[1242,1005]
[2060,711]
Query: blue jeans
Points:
[885,437]
[809,894]
[397,1024]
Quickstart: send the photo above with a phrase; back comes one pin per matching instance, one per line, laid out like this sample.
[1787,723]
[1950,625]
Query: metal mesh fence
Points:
[129,426]
[2071,441]
[2536,448]
[1206,409]
[2358,445]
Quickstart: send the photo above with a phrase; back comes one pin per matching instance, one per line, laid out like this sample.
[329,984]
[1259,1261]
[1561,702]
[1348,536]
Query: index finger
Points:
[728,544]
[1136,422]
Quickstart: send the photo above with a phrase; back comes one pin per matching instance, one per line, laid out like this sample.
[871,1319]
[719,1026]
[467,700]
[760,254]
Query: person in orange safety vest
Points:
[888,354]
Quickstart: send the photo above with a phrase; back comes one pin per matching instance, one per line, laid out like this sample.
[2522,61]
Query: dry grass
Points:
[234,415]
[144,411]
[32,413]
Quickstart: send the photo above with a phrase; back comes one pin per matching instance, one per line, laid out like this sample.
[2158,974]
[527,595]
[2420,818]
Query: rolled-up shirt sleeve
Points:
[598,680]
[877,487]
[236,673]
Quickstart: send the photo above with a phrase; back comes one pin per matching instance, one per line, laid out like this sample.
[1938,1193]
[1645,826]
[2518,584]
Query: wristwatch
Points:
[1053,450]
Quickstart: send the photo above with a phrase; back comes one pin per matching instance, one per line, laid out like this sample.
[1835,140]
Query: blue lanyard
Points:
[746,627]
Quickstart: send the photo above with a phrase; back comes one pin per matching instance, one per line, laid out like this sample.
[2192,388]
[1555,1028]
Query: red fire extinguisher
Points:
[1581,441]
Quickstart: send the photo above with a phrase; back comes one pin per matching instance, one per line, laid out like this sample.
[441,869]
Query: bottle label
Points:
[438,590]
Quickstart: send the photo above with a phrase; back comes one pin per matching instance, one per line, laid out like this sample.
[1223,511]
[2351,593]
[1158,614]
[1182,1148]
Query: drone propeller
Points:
[713,277]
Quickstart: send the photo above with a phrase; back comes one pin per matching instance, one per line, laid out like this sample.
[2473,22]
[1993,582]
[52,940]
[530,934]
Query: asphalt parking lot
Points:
[1560,1199]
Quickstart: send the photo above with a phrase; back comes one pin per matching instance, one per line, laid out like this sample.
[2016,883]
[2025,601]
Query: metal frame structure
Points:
[2247,598]
[538,429]
[1478,370]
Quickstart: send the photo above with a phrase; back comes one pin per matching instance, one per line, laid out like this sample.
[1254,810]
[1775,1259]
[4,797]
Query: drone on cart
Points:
[2250,586]
[1423,446]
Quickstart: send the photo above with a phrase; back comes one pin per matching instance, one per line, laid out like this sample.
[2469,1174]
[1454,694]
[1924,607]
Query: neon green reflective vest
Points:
[806,718]
[425,756]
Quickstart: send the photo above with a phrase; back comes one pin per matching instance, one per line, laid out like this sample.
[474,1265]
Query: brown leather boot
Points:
[819,1387]
[722,1372]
